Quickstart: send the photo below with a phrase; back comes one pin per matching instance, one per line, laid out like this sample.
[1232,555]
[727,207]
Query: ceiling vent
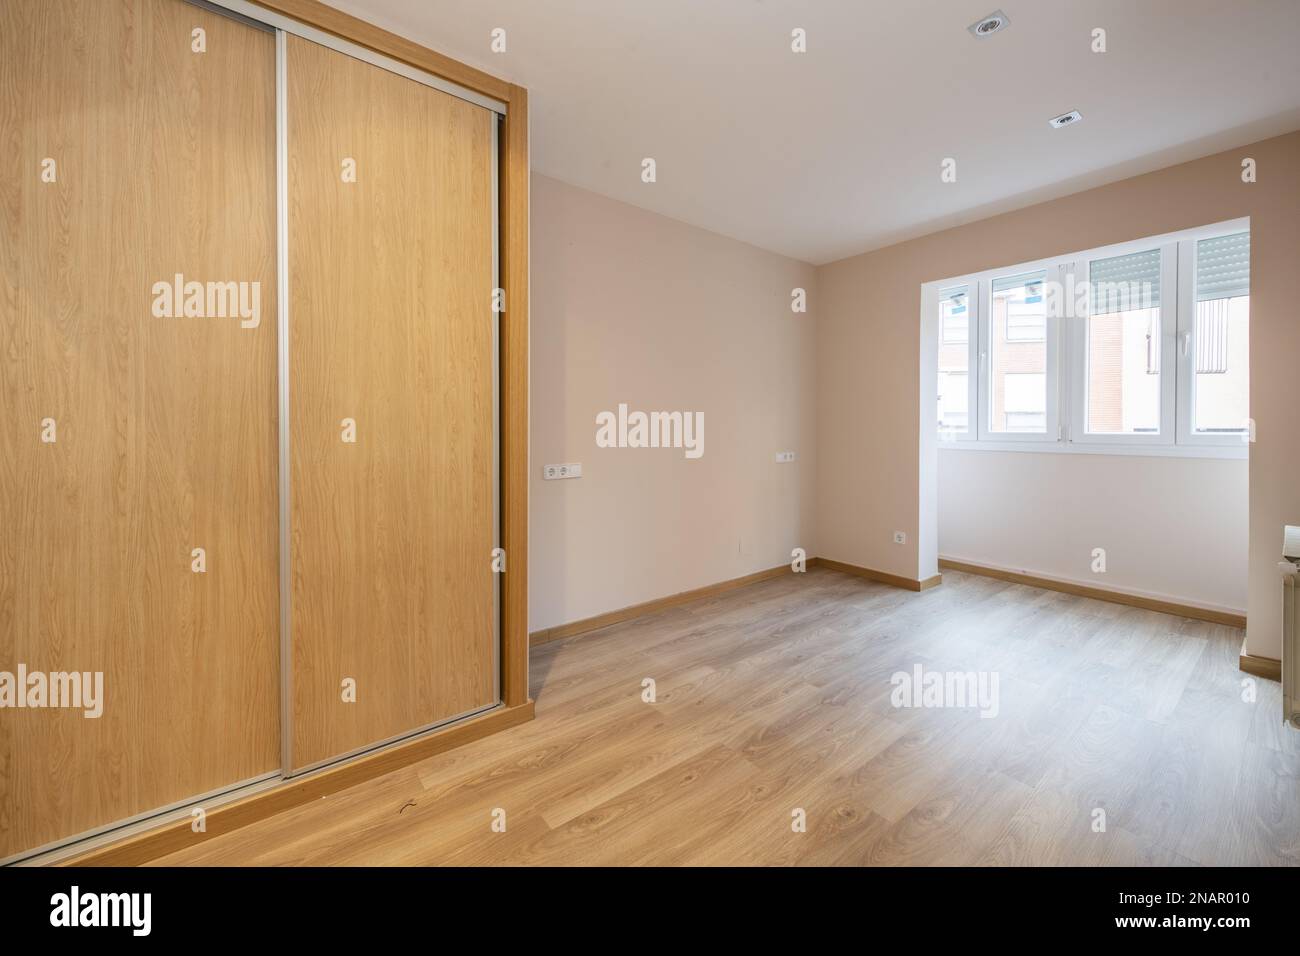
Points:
[1065,119]
[987,26]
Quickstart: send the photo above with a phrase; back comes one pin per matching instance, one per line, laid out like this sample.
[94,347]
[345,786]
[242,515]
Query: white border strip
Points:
[282,359]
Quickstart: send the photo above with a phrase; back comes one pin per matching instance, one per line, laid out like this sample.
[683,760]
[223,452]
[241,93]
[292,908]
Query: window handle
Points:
[1184,343]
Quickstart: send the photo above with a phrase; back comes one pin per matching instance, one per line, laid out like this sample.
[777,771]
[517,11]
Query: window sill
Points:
[1229,452]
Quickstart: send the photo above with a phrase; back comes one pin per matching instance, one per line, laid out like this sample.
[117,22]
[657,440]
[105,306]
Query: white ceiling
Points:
[836,151]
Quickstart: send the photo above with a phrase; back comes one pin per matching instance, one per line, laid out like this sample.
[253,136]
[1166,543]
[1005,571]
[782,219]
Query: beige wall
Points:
[871,454]
[632,307]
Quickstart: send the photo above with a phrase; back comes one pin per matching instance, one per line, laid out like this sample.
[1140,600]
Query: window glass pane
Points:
[1025,408]
[954,310]
[1018,354]
[1025,322]
[954,359]
[1123,345]
[1221,335]
[953,398]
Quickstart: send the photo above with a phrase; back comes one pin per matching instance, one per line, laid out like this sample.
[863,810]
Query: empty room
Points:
[559,433]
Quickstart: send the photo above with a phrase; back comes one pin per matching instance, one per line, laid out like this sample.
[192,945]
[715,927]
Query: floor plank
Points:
[777,698]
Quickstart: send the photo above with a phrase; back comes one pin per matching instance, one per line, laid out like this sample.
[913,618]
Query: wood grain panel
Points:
[390,326]
[514,397]
[165,427]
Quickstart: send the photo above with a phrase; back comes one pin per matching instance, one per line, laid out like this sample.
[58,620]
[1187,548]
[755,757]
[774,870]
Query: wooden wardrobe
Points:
[392,347]
[260,407]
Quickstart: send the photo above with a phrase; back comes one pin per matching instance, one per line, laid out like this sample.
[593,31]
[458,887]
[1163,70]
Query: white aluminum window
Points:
[1122,346]
[1214,339]
[958,346]
[1136,348]
[1018,361]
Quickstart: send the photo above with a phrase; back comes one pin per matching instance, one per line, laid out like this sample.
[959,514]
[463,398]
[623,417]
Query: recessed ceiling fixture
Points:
[987,26]
[1065,119]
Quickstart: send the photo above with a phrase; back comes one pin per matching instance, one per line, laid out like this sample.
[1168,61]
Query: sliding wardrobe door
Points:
[138,552]
[391,425]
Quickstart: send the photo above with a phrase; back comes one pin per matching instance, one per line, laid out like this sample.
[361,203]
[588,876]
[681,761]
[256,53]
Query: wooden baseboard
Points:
[574,628]
[1100,594]
[1261,666]
[883,577]
[178,835]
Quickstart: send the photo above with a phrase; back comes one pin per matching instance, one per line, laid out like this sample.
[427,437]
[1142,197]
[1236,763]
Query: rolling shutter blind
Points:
[1031,281]
[1223,267]
[1123,283]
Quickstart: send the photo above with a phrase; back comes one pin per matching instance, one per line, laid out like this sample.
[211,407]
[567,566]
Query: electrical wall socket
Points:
[900,537]
[572,469]
[784,456]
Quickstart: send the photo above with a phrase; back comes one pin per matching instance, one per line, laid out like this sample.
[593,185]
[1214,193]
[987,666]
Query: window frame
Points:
[972,352]
[1066,365]
[1051,369]
[1187,355]
[1077,362]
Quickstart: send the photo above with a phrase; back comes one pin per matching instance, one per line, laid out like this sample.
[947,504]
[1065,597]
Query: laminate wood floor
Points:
[777,697]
